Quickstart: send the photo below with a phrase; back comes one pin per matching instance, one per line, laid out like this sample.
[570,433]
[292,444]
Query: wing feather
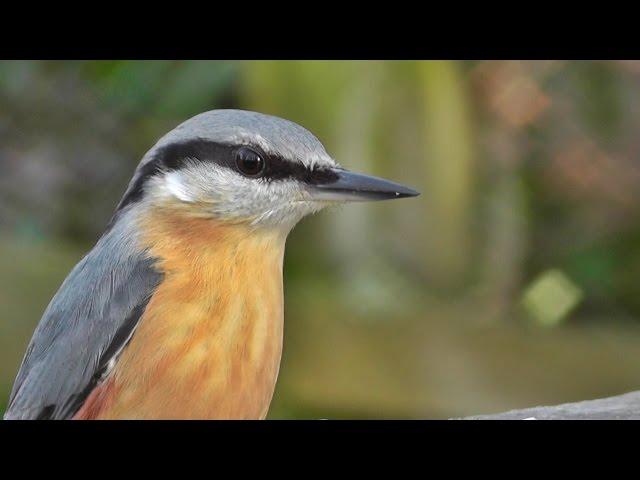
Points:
[88,322]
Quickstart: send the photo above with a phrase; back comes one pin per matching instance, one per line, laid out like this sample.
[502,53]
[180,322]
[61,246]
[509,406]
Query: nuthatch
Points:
[177,312]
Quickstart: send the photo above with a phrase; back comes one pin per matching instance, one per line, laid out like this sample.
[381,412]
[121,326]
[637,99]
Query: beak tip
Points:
[407,193]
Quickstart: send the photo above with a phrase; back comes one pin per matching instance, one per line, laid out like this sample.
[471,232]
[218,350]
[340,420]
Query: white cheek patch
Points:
[177,188]
[224,193]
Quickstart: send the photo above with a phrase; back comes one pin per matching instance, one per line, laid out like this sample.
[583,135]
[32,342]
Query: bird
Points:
[177,311]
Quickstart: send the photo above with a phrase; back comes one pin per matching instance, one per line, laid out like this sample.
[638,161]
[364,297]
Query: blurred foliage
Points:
[430,307]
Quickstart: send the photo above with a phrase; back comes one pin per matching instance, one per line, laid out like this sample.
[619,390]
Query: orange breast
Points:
[210,341]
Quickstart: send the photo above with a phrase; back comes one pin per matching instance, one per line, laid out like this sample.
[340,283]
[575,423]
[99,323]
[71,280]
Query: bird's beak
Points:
[356,187]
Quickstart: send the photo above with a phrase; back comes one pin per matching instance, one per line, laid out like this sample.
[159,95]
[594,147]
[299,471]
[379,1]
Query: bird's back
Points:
[86,325]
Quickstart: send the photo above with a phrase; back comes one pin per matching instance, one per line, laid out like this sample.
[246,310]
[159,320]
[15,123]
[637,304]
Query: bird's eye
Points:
[249,162]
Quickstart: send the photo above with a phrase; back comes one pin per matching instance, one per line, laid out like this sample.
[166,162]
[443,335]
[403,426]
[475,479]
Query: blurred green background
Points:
[511,282]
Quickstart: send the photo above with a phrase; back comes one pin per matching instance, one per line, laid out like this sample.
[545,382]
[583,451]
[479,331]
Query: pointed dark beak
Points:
[345,186]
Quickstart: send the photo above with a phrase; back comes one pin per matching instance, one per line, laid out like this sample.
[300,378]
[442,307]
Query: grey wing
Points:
[86,325]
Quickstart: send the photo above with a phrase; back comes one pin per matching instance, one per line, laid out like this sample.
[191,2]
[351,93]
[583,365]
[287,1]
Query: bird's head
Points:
[245,167]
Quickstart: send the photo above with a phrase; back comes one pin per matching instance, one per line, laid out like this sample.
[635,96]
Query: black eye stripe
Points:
[280,169]
[176,156]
